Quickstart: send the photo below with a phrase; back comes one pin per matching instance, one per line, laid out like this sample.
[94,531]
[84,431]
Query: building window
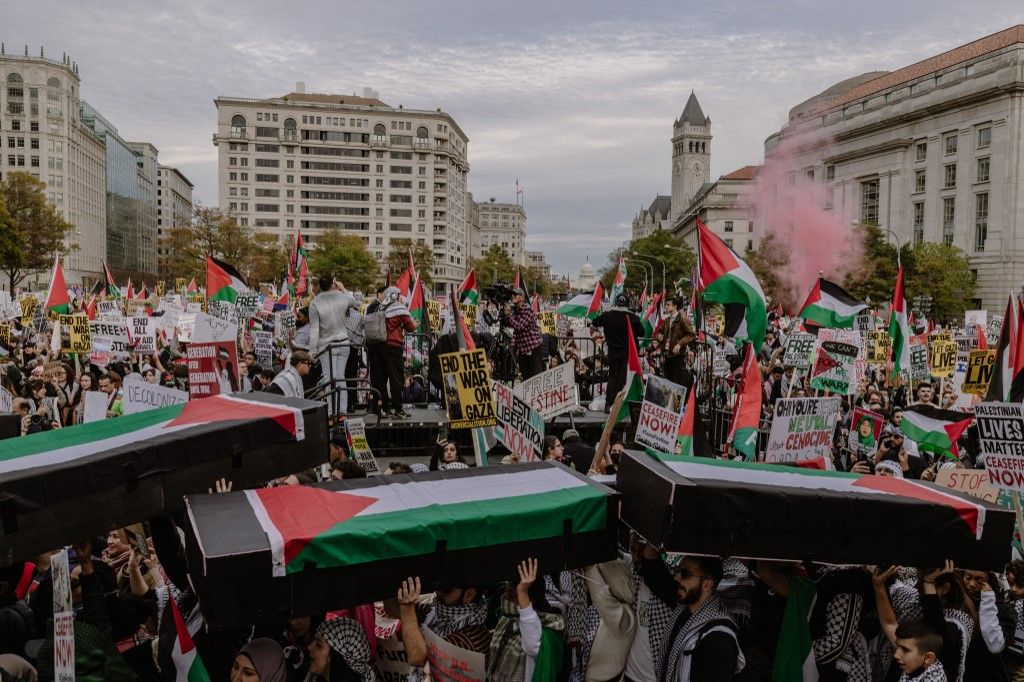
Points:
[869,202]
[951,141]
[980,221]
[810,176]
[920,177]
[948,219]
[950,176]
[728,226]
[983,169]
[728,242]
[238,125]
[984,137]
[920,151]
[830,172]
[918,222]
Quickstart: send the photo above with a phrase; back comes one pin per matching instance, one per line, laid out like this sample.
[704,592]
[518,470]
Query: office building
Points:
[504,225]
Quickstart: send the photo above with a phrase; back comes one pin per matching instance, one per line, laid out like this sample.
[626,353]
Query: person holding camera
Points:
[527,340]
[618,323]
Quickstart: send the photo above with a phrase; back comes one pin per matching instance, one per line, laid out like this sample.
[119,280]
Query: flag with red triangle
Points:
[747,414]
[462,335]
[187,664]
[725,278]
[192,286]
[619,284]
[112,289]
[982,341]
[643,298]
[583,305]
[300,265]
[407,279]
[129,290]
[469,291]
[535,303]
[518,281]
[1006,349]
[418,307]
[634,379]
[684,441]
[57,300]
[90,308]
[1017,383]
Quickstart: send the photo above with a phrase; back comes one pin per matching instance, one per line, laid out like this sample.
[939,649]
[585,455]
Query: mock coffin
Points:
[716,507]
[61,486]
[273,553]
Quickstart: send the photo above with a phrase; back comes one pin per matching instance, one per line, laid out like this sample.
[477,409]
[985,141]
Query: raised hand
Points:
[409,591]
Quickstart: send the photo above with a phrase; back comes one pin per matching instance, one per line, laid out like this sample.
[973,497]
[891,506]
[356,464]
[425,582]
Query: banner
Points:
[658,424]
[467,389]
[942,357]
[212,357]
[140,395]
[551,392]
[833,367]
[263,346]
[74,334]
[799,350]
[802,428]
[974,482]
[865,430]
[520,427]
[143,334]
[449,663]
[355,430]
[63,619]
[547,322]
[980,364]
[1001,434]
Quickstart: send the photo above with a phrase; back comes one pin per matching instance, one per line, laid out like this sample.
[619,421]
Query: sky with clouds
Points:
[575,98]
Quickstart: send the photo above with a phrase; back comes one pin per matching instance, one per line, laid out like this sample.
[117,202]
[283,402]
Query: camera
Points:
[35,419]
[500,293]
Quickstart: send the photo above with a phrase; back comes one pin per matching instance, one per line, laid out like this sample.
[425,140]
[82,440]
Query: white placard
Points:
[143,334]
[95,406]
[140,395]
[660,414]
[802,428]
[551,392]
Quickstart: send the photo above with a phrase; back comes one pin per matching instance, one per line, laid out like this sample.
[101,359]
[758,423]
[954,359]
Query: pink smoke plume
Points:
[815,233]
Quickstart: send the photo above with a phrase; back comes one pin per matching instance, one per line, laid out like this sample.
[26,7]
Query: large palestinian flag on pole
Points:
[634,380]
[899,329]
[188,666]
[583,305]
[747,416]
[684,439]
[223,282]
[407,279]
[933,429]
[829,305]
[469,291]
[1017,382]
[725,278]
[57,301]
[619,284]
[1006,349]
[113,290]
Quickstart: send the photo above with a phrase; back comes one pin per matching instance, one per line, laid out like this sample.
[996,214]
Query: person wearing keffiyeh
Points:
[340,651]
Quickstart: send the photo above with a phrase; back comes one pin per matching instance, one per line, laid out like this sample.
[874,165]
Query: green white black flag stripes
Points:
[829,305]
[899,329]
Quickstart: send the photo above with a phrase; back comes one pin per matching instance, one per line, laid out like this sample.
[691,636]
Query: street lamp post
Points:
[645,265]
[899,262]
[663,266]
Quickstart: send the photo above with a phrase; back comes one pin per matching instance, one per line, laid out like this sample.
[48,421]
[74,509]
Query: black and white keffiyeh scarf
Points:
[935,673]
[686,639]
[444,619]
[347,638]
[659,616]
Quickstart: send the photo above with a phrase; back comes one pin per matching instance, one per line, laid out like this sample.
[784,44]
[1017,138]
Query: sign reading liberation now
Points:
[1001,431]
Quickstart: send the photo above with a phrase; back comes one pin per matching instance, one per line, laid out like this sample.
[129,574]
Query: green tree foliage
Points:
[679,262]
[495,265]
[540,282]
[876,277]
[422,255]
[345,257]
[942,272]
[31,228]
[769,258]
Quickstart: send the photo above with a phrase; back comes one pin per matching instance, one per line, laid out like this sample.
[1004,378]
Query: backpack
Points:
[375,327]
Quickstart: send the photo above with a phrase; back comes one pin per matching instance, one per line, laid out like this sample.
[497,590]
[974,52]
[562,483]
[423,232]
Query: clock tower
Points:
[691,155]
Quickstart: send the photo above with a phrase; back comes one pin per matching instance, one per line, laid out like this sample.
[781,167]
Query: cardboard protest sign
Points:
[918,361]
[942,356]
[108,308]
[223,310]
[263,346]
[660,413]
[799,350]
[980,365]
[5,334]
[551,392]
[547,322]
[864,323]
[28,305]
[802,428]
[95,406]
[833,367]
[109,335]
[434,314]
[212,357]
[74,334]
[974,482]
[355,432]
[975,318]
[877,347]
[6,401]
[247,304]
[520,427]
[186,323]
[63,619]
[467,389]
[140,395]
[865,430]
[1001,435]
[180,283]
[449,663]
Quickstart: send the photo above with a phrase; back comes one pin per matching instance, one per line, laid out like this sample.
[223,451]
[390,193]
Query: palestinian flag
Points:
[1006,351]
[407,279]
[747,415]
[112,289]
[462,335]
[187,664]
[418,307]
[192,286]
[899,330]
[830,306]
[90,308]
[469,291]
[57,301]
[794,655]
[535,303]
[643,298]
[300,265]
[934,430]
[634,380]
[652,318]
[684,441]
[725,278]
[583,305]
[129,290]
[518,280]
[619,285]
[317,527]
[223,282]
[1017,383]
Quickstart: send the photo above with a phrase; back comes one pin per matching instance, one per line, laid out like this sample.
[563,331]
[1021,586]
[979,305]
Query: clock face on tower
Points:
[698,170]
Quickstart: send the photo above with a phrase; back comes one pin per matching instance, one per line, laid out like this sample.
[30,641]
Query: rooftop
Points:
[692,113]
[318,98]
[661,206]
[745,173]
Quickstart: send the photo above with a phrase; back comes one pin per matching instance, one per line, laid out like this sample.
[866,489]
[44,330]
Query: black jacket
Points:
[579,453]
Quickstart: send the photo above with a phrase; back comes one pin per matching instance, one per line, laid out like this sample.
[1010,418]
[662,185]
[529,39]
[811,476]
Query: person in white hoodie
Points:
[612,590]
[328,313]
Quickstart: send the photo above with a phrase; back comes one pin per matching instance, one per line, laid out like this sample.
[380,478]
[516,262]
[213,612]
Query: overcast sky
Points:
[575,98]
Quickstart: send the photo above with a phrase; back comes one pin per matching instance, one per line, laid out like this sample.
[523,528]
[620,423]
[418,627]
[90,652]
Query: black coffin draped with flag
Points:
[61,486]
[716,507]
[270,554]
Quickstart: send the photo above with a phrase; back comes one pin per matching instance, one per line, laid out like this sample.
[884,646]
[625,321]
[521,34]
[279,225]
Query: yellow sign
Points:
[547,323]
[5,334]
[180,284]
[161,287]
[28,309]
[942,358]
[877,347]
[74,334]
[467,389]
[980,365]
[468,315]
[434,315]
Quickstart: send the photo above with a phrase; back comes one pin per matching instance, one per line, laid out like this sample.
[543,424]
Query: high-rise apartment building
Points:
[41,134]
[473,249]
[504,225]
[173,207]
[353,164]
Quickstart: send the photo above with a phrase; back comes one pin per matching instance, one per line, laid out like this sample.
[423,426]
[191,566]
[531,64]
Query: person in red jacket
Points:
[386,358]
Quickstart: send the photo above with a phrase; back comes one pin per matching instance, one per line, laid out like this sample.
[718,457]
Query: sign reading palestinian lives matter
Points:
[802,428]
[450,663]
[355,430]
[263,346]
[520,427]
[865,430]
[140,395]
[1001,434]
[833,367]
[143,334]
[551,392]
[942,357]
[63,619]
[74,334]
[980,365]
[974,482]
[799,350]
[212,357]
[658,424]
[95,409]
[467,389]
[109,335]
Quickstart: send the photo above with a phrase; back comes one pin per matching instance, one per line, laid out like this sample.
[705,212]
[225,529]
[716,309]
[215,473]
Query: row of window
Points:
[951,143]
[981,174]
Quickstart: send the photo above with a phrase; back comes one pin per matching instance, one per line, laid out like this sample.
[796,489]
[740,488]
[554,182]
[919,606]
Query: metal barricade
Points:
[422,346]
[329,389]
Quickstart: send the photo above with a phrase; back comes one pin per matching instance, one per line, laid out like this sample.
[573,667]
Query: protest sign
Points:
[247,304]
[28,305]
[467,389]
[469,314]
[390,663]
[833,367]
[974,482]
[547,322]
[449,663]
[1001,436]
[918,361]
[109,335]
[63,619]
[95,406]
[799,350]
[161,287]
[186,323]
[355,430]
[865,430]
[180,283]
[980,364]
[74,334]
[520,427]
[108,308]
[660,413]
[5,334]
[802,428]
[223,310]
[975,318]
[143,334]
[551,392]
[434,314]
[140,395]
[942,356]
[263,346]
[6,401]
[212,357]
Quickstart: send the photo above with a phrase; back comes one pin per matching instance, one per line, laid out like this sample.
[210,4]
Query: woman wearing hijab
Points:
[340,653]
[261,660]
[386,358]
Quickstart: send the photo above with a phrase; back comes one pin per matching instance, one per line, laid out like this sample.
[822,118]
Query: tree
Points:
[769,259]
[31,228]
[679,262]
[422,255]
[942,272]
[539,281]
[495,265]
[345,257]
[877,276]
